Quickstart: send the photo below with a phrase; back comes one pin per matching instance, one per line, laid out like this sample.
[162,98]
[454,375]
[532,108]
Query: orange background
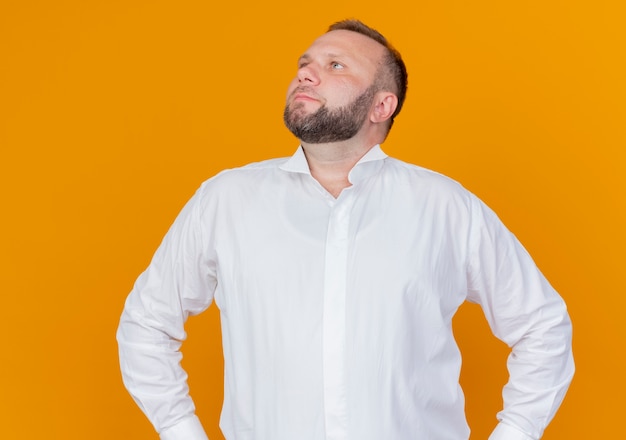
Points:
[113,112]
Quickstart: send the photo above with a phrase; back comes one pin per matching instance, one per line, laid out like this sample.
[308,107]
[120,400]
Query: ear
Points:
[385,103]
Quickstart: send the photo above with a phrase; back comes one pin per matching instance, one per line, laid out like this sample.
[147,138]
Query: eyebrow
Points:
[306,57]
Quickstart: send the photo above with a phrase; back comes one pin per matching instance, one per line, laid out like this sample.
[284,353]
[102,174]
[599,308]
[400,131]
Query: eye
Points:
[336,66]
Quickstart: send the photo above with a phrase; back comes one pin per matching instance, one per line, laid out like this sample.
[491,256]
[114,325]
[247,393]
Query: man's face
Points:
[331,97]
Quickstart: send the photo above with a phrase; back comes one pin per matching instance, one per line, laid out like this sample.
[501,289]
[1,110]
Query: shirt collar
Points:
[365,167]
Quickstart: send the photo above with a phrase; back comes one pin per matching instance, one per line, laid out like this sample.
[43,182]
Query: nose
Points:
[307,74]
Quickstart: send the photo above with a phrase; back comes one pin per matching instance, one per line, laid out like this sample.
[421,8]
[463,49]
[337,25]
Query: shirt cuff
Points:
[189,428]
[507,432]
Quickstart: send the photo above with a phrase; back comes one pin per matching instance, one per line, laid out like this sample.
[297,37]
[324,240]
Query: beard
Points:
[327,125]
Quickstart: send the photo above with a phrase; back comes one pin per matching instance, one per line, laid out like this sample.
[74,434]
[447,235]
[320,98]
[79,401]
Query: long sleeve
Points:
[525,312]
[179,282]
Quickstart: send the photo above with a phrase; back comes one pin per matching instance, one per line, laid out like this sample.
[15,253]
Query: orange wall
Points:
[113,112]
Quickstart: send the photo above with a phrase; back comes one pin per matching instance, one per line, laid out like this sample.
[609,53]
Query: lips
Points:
[303,95]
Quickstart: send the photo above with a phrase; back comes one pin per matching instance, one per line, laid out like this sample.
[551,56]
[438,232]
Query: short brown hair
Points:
[393,64]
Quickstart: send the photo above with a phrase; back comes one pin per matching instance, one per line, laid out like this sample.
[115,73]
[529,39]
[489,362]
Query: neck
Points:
[331,163]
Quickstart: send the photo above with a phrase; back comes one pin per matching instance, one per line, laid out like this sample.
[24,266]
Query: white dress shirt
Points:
[337,313]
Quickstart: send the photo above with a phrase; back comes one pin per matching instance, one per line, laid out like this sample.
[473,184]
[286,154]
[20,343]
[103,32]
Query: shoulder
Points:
[423,180]
[240,185]
[439,190]
[252,173]
[251,169]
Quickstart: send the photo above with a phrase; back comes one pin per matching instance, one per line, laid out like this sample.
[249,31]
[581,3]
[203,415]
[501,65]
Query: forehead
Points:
[348,44]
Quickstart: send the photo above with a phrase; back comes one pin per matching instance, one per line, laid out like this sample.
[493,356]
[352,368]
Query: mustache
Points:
[306,90]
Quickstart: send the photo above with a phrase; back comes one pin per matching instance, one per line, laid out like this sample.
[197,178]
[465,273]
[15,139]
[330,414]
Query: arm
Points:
[525,312]
[180,281]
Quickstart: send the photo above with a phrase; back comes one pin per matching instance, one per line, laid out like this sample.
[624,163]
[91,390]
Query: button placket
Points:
[334,321]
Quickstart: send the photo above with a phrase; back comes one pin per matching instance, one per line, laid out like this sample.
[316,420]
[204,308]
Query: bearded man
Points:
[337,272]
